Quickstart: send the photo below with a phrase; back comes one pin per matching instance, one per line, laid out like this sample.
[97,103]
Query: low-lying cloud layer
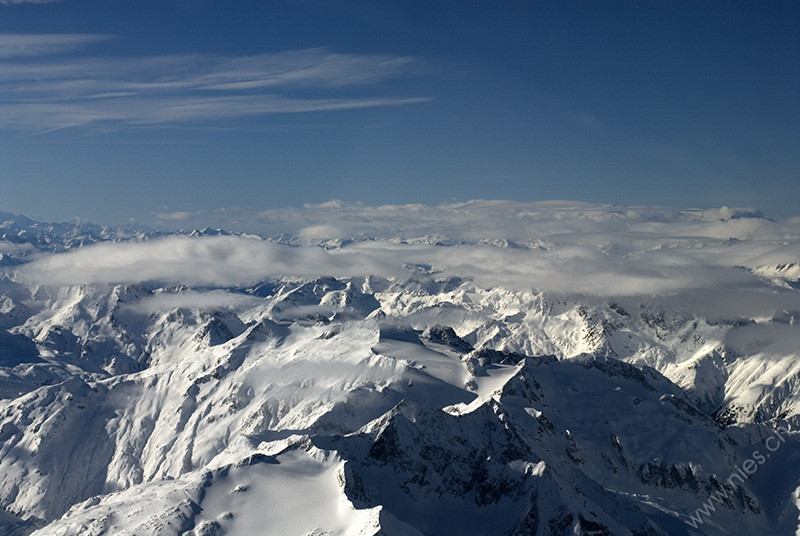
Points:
[220,261]
[483,220]
[703,258]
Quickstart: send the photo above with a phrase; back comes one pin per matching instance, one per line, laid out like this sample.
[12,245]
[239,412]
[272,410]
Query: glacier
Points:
[480,368]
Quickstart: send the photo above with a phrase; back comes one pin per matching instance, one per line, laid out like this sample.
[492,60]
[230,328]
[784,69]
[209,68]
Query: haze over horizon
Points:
[115,111]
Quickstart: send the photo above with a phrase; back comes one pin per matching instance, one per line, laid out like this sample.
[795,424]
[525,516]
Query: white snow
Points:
[608,368]
[295,494]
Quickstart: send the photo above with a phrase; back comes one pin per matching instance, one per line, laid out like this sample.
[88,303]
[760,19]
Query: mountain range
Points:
[472,369]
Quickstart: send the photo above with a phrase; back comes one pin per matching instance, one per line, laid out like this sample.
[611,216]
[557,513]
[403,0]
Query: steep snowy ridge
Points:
[219,389]
[426,403]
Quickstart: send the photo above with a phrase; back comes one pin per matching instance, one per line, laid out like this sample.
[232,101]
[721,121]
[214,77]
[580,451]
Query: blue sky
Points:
[113,110]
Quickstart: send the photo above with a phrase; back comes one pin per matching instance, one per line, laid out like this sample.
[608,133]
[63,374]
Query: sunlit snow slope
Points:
[591,370]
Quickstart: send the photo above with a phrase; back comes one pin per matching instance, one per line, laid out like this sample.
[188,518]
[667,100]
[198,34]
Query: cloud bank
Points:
[530,224]
[40,92]
[709,260]
[220,261]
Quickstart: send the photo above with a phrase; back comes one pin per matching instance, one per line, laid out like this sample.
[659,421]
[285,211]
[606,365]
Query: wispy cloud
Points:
[42,93]
[178,215]
[12,2]
[26,45]
[163,110]
[165,301]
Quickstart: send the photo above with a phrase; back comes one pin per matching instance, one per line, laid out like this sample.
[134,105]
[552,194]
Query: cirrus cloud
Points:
[27,45]
[13,2]
[82,89]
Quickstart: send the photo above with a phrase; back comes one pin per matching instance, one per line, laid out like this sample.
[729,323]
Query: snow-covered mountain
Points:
[596,370]
[28,234]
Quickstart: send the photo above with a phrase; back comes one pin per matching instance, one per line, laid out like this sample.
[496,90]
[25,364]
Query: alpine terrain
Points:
[486,368]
